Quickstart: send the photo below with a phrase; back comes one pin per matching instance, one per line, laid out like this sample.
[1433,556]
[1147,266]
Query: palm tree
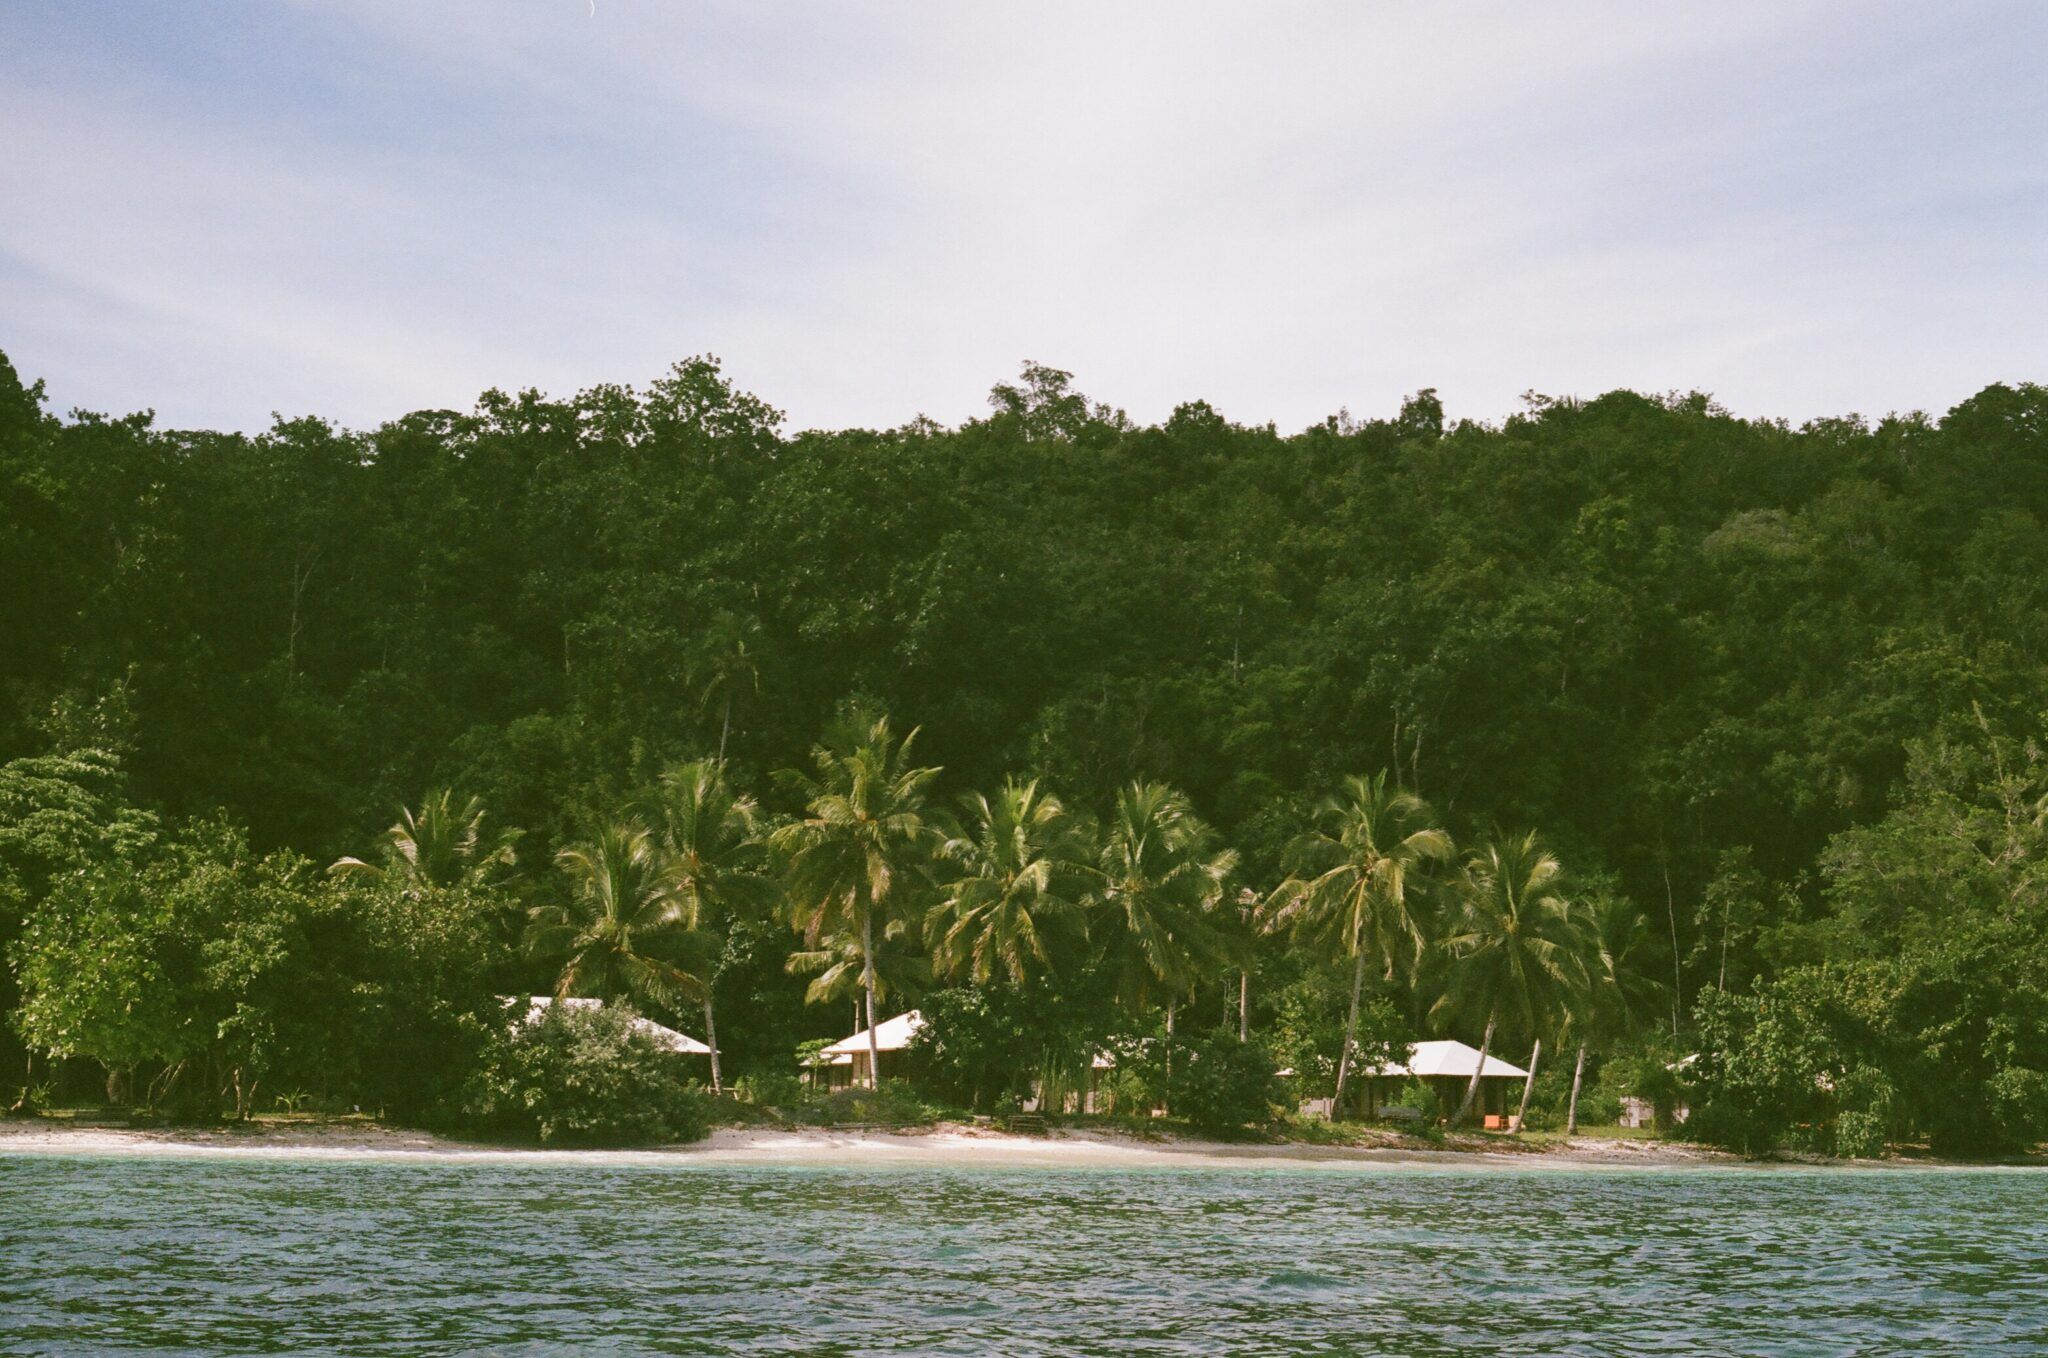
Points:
[1513,945]
[707,835]
[1161,876]
[838,969]
[1244,940]
[621,934]
[1622,988]
[1016,868]
[861,842]
[445,845]
[1348,885]
[729,666]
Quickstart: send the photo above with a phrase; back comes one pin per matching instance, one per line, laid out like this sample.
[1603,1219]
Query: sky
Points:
[872,212]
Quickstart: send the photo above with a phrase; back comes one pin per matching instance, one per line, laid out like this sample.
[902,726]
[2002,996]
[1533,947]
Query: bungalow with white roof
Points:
[845,1062]
[537,1005]
[1445,1066]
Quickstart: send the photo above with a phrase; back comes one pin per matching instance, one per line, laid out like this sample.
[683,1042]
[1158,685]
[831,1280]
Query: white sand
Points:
[949,1145]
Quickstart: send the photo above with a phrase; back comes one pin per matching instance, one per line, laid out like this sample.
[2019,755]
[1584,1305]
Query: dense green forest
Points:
[1777,691]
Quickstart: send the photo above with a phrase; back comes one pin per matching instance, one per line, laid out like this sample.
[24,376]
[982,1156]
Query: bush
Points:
[1600,1096]
[775,1089]
[894,1102]
[1125,1092]
[1220,1084]
[1419,1096]
[1860,1135]
[582,1077]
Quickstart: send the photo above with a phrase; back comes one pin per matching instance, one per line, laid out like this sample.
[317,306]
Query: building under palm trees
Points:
[845,1062]
[1445,1067]
[659,1034]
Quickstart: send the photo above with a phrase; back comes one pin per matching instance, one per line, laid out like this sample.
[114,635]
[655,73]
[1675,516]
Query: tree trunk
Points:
[711,1041]
[1350,1033]
[1529,1084]
[1571,1116]
[867,975]
[1165,1099]
[1727,909]
[1472,1089]
[725,729]
[1677,971]
[1244,1006]
[26,1103]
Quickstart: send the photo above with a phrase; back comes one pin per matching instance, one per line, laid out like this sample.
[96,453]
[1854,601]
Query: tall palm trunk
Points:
[1571,1116]
[1529,1084]
[1244,1006]
[1165,1099]
[867,976]
[725,729]
[711,1040]
[1677,971]
[1472,1089]
[26,1103]
[1350,1030]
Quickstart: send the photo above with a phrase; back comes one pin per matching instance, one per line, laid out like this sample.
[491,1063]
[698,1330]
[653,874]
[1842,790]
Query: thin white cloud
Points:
[873,211]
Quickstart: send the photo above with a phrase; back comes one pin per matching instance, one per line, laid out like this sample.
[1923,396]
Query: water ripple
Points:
[377,1257]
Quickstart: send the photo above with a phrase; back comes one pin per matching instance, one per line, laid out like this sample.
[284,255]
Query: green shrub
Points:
[1600,1097]
[582,1077]
[1860,1135]
[1220,1084]
[1124,1092]
[773,1090]
[1419,1096]
[895,1102]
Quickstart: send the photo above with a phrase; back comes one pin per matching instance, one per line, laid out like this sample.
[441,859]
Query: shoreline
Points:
[943,1146]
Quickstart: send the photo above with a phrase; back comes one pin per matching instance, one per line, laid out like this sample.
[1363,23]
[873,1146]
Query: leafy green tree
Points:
[1310,1019]
[1775,1062]
[582,1077]
[425,967]
[1015,876]
[107,972]
[1223,1085]
[205,968]
[60,815]
[864,839]
[1348,888]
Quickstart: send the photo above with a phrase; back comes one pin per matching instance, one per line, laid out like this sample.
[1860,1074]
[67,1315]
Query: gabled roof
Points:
[892,1035]
[537,1005]
[1449,1057]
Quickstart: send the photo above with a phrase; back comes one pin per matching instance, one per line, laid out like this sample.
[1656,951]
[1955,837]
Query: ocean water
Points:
[212,1255]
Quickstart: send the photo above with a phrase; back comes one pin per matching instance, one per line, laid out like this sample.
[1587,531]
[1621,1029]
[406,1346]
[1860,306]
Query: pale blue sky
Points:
[870,212]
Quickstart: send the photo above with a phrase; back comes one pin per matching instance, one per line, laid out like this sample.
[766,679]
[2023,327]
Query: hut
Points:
[845,1062]
[661,1036]
[1446,1067]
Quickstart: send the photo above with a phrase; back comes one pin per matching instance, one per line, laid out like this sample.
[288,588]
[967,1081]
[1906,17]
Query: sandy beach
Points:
[950,1145]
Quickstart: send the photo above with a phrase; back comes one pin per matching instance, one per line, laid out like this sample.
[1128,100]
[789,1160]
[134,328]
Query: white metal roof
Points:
[892,1035]
[662,1036]
[1449,1057]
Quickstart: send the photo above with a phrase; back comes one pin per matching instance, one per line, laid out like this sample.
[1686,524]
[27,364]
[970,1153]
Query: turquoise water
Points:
[111,1253]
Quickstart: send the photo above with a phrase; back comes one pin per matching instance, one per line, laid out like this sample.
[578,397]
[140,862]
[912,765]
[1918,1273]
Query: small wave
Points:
[1300,1280]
